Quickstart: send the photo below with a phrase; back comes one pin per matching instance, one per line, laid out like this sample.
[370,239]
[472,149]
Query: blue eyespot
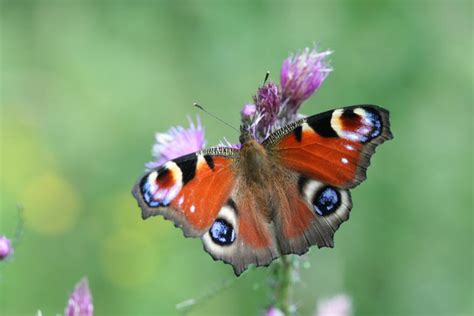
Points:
[222,233]
[326,201]
[376,122]
[148,197]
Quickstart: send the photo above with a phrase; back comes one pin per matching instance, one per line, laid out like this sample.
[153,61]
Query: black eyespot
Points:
[222,233]
[326,201]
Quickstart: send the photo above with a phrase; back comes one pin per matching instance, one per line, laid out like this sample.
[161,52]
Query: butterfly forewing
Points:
[333,147]
[189,190]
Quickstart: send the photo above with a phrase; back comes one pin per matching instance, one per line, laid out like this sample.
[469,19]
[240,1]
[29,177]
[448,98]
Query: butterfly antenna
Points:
[267,75]
[214,116]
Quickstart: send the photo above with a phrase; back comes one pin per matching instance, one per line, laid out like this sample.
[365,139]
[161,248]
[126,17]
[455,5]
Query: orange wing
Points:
[333,147]
[322,156]
[189,190]
[308,213]
[202,194]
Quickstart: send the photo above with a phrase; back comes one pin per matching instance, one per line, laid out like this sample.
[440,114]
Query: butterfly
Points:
[265,200]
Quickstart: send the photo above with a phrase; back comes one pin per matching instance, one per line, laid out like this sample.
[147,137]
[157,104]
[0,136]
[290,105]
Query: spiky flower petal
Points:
[301,75]
[260,118]
[225,143]
[177,141]
[267,103]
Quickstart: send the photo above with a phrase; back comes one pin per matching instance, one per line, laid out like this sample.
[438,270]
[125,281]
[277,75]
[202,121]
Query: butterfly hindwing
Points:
[309,213]
[241,235]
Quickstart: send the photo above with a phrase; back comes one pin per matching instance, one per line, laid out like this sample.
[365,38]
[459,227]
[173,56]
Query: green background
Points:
[84,86]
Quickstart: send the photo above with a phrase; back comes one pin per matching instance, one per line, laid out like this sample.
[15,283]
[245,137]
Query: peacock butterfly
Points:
[254,204]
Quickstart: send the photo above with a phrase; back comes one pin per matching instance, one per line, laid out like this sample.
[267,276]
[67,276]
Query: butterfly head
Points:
[245,134]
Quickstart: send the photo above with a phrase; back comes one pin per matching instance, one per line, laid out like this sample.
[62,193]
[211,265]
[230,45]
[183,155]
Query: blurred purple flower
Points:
[176,142]
[6,248]
[339,305]
[80,301]
[301,75]
[273,311]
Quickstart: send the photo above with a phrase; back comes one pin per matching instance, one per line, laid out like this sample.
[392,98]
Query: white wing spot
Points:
[305,127]
[181,200]
[349,147]
[344,160]
[193,208]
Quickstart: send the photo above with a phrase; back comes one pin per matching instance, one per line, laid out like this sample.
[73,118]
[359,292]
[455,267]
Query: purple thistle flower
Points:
[6,248]
[262,117]
[301,75]
[267,103]
[80,301]
[339,305]
[177,142]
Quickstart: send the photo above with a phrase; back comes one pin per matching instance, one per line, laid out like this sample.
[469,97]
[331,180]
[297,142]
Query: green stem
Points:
[284,285]
[19,226]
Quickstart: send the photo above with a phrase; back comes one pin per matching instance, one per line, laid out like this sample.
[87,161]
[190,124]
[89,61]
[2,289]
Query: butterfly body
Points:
[254,163]
[264,200]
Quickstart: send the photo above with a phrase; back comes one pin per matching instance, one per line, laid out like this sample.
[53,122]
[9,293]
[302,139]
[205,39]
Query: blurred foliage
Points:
[84,85]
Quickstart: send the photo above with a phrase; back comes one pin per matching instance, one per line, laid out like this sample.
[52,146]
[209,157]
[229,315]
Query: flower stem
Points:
[19,226]
[284,285]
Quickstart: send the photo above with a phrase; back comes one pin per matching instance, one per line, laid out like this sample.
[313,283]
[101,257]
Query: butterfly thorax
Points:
[254,162]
